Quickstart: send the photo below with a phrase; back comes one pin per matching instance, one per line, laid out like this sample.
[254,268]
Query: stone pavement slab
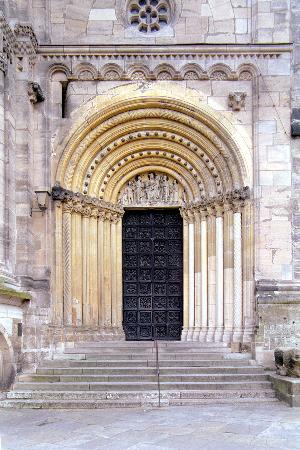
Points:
[224,427]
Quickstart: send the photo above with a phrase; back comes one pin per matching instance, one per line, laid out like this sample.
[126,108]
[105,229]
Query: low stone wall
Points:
[11,321]
[287,389]
[278,320]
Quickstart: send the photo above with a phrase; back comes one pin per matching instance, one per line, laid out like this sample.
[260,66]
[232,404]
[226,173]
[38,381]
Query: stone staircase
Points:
[123,374]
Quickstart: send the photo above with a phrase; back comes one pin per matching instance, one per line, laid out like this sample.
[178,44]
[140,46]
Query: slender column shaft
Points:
[93,271]
[228,273]
[107,273]
[76,269]
[219,279]
[237,275]
[114,274]
[59,271]
[191,277]
[211,261]
[119,275]
[248,264]
[100,271]
[204,298]
[185,279]
[197,277]
[86,313]
[67,252]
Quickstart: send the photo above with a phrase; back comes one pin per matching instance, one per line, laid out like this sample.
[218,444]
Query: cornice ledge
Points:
[163,50]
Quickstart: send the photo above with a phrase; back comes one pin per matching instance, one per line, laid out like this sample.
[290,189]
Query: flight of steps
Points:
[123,374]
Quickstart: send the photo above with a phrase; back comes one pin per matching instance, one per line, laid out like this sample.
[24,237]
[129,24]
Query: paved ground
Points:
[269,426]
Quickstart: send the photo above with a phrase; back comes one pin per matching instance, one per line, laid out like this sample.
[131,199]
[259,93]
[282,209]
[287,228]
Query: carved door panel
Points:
[152,274]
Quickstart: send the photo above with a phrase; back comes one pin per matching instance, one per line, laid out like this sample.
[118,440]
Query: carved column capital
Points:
[87,206]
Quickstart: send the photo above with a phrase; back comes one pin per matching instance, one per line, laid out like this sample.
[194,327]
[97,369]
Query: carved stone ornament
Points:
[234,200]
[86,206]
[35,92]
[152,189]
[236,100]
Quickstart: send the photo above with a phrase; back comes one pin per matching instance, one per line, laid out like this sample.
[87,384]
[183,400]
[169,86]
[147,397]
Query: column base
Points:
[184,334]
[196,334]
[210,335]
[227,336]
[202,335]
[219,334]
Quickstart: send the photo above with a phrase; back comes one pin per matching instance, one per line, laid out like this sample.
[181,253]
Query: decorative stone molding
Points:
[163,71]
[35,92]
[236,100]
[152,189]
[216,205]
[19,41]
[85,205]
[3,63]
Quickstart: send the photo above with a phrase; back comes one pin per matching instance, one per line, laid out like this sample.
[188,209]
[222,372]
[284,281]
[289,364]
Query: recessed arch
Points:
[101,126]
[170,140]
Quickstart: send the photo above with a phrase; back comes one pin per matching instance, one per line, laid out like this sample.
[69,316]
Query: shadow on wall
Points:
[7,364]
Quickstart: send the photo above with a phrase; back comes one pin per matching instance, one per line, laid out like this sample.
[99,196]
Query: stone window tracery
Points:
[149,16]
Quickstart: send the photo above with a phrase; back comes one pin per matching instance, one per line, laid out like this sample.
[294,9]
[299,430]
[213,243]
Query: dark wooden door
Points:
[152,274]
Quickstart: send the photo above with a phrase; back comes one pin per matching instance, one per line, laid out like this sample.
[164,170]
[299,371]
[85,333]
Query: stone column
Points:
[219,275]
[58,306]
[114,271]
[228,272]
[204,298]
[3,239]
[196,334]
[76,287]
[86,313]
[237,274]
[185,279]
[67,253]
[107,292]
[211,265]
[101,305]
[93,269]
[248,265]
[119,304]
[191,278]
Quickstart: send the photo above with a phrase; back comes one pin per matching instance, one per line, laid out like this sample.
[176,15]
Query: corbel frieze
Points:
[75,202]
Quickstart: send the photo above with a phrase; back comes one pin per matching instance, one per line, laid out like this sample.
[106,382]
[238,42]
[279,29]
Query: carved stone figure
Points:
[150,189]
[287,361]
[236,100]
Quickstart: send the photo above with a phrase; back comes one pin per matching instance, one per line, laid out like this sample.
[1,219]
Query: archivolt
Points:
[133,127]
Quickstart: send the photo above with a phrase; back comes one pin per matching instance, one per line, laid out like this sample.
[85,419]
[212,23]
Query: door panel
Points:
[152,275]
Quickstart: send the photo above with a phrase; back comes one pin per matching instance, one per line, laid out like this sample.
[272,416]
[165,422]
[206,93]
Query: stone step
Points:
[183,378]
[141,386]
[143,363]
[147,370]
[142,356]
[94,400]
[140,395]
[144,350]
[139,344]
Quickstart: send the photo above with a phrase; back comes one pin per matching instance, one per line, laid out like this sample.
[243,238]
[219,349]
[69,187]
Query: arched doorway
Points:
[7,363]
[128,135]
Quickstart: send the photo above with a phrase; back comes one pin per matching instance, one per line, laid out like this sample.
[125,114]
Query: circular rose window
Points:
[149,16]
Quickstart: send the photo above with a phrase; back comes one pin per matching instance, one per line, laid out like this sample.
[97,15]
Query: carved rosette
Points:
[87,206]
